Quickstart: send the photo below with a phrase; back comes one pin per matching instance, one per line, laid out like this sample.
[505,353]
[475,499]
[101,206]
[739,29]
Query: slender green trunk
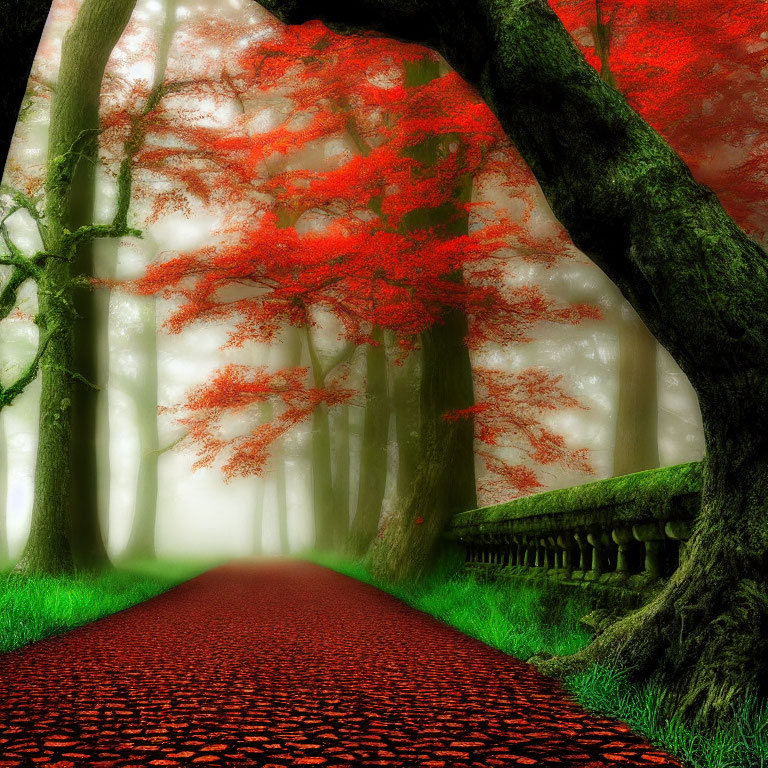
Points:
[257,538]
[326,514]
[405,410]
[141,543]
[281,503]
[341,489]
[373,450]
[637,441]
[56,517]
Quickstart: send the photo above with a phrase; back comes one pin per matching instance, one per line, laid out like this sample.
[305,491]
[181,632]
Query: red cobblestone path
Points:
[283,664]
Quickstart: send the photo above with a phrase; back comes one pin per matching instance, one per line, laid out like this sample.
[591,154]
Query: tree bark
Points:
[74,124]
[373,451]
[696,280]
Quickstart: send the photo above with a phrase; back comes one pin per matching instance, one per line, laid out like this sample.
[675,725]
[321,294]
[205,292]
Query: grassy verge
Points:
[34,607]
[529,620]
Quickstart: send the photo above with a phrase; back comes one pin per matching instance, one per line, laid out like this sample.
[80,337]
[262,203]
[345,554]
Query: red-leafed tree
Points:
[695,278]
[377,236]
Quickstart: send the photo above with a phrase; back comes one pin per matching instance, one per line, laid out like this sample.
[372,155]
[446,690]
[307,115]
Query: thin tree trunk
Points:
[257,538]
[141,543]
[56,517]
[373,450]
[281,503]
[637,436]
[405,410]
[341,466]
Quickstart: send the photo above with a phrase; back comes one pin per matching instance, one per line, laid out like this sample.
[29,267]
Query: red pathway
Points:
[282,664]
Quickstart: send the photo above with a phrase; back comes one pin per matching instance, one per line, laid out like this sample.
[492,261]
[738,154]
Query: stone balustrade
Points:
[617,539]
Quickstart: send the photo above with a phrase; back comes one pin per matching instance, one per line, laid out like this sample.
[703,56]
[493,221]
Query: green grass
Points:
[34,607]
[524,621]
[740,743]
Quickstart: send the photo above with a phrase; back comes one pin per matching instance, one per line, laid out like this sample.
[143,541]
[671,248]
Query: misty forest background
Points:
[633,407]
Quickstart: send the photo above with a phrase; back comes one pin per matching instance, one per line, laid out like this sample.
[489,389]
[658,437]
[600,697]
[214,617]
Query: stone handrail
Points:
[617,538]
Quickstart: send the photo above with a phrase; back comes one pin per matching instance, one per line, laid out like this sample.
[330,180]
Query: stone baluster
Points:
[599,554]
[568,549]
[585,552]
[652,537]
[624,538]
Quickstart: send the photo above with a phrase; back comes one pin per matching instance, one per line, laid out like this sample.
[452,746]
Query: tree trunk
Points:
[281,499]
[322,478]
[405,409]
[341,489]
[257,539]
[74,123]
[88,547]
[695,279]
[141,543]
[637,436]
[445,479]
[373,451]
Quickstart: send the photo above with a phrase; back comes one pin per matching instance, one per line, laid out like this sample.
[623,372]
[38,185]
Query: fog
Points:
[198,512]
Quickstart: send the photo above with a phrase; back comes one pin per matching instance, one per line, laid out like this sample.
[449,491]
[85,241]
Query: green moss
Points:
[657,488]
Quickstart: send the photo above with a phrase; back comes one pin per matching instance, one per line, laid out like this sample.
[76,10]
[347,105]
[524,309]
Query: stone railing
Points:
[616,538]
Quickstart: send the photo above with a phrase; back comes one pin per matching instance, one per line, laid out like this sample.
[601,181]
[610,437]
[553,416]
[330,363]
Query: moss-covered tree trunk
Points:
[697,281]
[141,542]
[637,436]
[373,450]
[74,124]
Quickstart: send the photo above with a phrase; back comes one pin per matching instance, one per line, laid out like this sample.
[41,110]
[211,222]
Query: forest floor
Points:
[286,663]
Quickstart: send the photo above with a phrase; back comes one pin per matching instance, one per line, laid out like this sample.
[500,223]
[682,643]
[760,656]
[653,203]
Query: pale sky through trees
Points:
[198,513]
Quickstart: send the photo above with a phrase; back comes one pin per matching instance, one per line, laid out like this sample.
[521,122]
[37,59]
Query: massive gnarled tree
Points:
[699,283]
